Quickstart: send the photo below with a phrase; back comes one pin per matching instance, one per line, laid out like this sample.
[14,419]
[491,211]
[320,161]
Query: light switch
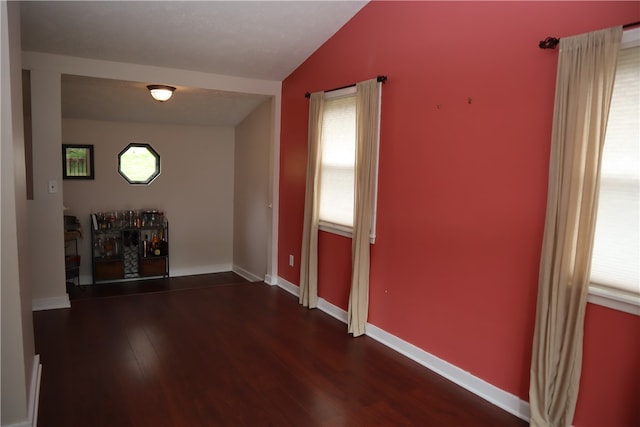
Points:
[53,186]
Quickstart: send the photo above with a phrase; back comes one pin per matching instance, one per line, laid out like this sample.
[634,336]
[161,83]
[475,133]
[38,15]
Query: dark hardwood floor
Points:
[216,350]
[153,285]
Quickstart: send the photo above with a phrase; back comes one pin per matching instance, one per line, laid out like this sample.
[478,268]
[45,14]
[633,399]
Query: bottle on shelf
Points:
[145,246]
[155,244]
[98,248]
[127,244]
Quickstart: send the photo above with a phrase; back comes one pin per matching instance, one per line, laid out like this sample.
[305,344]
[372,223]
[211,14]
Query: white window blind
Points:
[338,160]
[616,254]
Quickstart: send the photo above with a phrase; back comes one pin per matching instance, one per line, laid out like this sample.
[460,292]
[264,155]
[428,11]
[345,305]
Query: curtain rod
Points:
[380,79]
[552,42]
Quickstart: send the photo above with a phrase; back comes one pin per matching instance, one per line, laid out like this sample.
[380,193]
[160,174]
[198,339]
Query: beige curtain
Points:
[309,257]
[367,112]
[586,71]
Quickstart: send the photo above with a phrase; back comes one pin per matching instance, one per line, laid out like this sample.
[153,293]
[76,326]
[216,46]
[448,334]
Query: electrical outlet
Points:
[53,186]
[290,260]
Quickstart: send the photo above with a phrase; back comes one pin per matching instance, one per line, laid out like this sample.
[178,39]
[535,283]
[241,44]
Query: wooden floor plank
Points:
[216,350]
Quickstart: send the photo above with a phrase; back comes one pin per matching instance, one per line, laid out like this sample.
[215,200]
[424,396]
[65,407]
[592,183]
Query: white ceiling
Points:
[253,39]
[116,100]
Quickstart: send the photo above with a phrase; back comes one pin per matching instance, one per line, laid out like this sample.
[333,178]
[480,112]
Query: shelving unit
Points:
[129,246]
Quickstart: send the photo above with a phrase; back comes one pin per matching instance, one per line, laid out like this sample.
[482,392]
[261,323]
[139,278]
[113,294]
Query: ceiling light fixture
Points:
[161,92]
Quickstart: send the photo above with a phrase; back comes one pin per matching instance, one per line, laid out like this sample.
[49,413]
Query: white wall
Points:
[18,354]
[194,189]
[46,235]
[251,198]
[46,209]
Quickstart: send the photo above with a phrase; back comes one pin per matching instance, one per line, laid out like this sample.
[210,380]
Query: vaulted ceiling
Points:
[254,39]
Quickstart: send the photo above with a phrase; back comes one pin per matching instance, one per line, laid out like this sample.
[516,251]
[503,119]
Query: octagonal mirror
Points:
[139,164]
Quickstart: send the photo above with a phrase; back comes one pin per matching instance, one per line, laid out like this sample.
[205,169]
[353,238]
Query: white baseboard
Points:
[178,272]
[193,271]
[34,396]
[246,274]
[507,401]
[34,393]
[288,286]
[54,303]
[323,304]
[269,280]
[333,310]
[502,399]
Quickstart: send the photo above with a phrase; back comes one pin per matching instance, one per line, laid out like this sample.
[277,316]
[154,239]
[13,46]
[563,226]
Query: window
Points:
[337,174]
[615,270]
[338,147]
[77,161]
[139,164]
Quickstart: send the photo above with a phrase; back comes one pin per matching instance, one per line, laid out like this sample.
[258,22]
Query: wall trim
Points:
[53,303]
[34,392]
[324,305]
[288,286]
[246,274]
[492,394]
[333,310]
[614,299]
[34,396]
[190,271]
[194,271]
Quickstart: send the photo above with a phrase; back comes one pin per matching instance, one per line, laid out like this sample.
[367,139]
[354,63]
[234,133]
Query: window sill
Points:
[340,230]
[614,299]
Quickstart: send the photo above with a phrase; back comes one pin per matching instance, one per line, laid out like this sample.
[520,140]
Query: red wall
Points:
[462,186]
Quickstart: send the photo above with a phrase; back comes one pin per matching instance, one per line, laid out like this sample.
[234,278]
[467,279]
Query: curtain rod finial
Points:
[549,43]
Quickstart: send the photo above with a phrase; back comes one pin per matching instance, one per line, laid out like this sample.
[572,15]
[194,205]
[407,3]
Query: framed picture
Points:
[77,161]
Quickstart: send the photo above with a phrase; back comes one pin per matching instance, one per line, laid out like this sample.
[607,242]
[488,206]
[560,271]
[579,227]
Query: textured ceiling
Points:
[253,39]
